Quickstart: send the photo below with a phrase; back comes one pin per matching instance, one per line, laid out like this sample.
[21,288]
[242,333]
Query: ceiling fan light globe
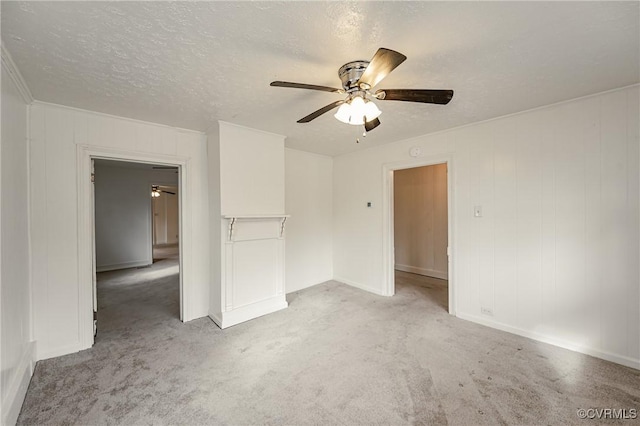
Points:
[344,113]
[371,111]
[356,120]
[358,111]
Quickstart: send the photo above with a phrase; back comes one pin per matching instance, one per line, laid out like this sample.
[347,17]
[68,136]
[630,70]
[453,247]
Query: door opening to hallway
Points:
[420,223]
[137,253]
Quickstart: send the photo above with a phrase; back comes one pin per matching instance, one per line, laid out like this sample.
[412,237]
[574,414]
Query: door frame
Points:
[388,236]
[86,227]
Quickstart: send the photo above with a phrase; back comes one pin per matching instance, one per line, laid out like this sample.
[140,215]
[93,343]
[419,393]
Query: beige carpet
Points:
[337,355]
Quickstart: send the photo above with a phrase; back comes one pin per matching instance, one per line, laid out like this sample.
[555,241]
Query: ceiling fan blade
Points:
[305,86]
[321,111]
[370,125]
[168,192]
[382,63]
[426,96]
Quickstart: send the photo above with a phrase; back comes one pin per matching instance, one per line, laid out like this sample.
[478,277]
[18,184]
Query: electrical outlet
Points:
[486,311]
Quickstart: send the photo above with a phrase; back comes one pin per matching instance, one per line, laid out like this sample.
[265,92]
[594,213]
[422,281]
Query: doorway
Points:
[389,233]
[421,230]
[132,284]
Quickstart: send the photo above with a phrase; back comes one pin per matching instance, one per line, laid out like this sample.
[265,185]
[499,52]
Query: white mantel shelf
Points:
[255,217]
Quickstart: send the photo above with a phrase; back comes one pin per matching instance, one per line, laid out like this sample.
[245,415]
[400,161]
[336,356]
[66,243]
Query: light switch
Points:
[477,211]
[368,203]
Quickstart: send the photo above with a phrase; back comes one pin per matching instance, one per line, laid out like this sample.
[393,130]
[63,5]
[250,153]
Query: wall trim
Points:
[59,351]
[360,286]
[586,350]
[16,76]
[249,312]
[14,395]
[104,114]
[250,128]
[422,271]
[123,265]
[418,138]
[313,154]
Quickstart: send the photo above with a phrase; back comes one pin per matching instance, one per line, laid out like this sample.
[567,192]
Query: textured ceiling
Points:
[188,64]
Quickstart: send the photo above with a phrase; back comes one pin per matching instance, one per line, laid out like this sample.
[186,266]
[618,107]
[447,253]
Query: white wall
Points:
[56,134]
[420,220]
[555,255]
[123,214]
[308,199]
[251,171]
[17,350]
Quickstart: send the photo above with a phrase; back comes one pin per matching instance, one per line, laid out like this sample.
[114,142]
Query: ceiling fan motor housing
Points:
[350,74]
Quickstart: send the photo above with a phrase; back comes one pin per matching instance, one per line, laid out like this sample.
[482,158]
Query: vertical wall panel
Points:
[549,307]
[38,224]
[483,193]
[504,217]
[462,248]
[633,237]
[61,227]
[569,202]
[593,271]
[615,208]
[528,212]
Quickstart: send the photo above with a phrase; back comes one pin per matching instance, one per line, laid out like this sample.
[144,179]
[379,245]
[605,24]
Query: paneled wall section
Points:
[55,134]
[555,254]
[17,355]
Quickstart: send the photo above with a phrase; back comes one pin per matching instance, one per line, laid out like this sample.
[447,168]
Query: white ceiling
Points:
[189,64]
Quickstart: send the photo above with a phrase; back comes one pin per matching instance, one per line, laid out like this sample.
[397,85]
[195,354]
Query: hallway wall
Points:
[123,213]
[420,220]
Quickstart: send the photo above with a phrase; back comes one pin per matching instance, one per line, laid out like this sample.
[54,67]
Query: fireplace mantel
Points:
[233,219]
[252,270]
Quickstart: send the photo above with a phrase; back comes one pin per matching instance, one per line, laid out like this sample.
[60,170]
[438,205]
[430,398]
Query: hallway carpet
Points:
[337,355]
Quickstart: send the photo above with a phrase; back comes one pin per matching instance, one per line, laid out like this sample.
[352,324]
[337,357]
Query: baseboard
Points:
[124,265]
[60,351]
[360,286]
[422,271]
[607,356]
[249,312]
[287,291]
[14,395]
[166,244]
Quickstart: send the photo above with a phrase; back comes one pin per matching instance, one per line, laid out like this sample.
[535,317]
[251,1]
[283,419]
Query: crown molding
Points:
[16,77]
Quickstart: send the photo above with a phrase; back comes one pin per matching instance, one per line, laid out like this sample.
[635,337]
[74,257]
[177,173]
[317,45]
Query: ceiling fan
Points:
[358,80]
[155,191]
